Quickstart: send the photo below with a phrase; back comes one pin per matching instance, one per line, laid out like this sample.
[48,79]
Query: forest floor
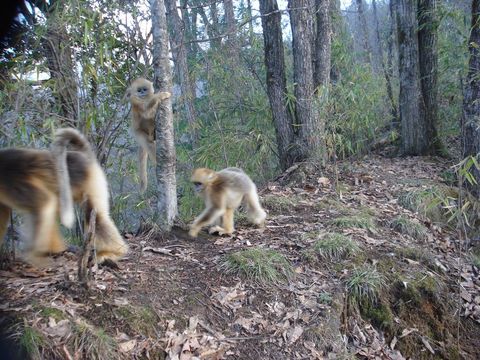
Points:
[369,273]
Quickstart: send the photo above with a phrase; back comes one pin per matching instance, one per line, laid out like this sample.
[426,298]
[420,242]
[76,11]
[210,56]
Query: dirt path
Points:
[172,297]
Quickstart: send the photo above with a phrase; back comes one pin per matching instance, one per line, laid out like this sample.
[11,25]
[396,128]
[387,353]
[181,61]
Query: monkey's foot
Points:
[220,230]
[193,233]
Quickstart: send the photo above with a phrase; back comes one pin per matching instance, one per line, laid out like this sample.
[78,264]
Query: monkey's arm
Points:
[156,98]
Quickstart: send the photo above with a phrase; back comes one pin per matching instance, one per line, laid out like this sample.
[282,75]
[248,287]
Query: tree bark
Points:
[388,82]
[323,41]
[166,156]
[179,53]
[412,111]
[471,103]
[276,81]
[311,126]
[231,24]
[58,53]
[427,52]
[390,56]
[364,30]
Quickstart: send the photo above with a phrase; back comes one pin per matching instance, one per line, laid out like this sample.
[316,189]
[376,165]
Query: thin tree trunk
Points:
[58,52]
[364,29]
[412,112]
[471,103]
[251,34]
[166,156]
[179,53]
[276,81]
[311,126]
[231,24]
[323,41]
[427,52]
[388,82]
[390,56]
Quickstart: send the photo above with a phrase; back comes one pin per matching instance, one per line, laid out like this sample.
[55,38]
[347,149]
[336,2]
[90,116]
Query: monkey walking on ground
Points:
[43,184]
[223,192]
[144,107]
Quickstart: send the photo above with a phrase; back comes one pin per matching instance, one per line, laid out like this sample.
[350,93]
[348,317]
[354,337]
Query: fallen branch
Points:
[83,264]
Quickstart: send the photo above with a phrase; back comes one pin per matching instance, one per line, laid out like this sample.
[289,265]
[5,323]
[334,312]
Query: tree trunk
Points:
[58,52]
[388,82]
[412,112]
[179,53]
[364,29]
[427,52]
[471,103]
[276,81]
[390,56]
[311,126]
[323,42]
[166,157]
[231,24]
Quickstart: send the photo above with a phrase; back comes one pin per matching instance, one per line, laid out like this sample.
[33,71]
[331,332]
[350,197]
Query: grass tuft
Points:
[362,221]
[141,320]
[93,343]
[261,265]
[406,226]
[280,204]
[335,246]
[364,285]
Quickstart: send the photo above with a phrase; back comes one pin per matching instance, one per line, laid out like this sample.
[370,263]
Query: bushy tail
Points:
[255,212]
[63,139]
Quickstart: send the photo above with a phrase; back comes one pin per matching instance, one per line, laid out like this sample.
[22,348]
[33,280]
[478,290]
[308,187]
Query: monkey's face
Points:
[141,88]
[142,91]
[201,178]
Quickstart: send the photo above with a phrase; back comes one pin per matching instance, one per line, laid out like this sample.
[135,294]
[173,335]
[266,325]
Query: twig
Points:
[87,249]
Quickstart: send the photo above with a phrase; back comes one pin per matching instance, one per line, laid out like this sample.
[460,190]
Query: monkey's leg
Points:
[207,217]
[255,212]
[4,219]
[142,168]
[152,151]
[109,244]
[44,232]
[227,228]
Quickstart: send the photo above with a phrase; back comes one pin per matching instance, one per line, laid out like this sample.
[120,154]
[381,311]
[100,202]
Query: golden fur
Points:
[43,184]
[223,192]
[144,107]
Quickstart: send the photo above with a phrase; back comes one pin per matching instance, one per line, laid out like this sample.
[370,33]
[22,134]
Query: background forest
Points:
[359,121]
[71,62]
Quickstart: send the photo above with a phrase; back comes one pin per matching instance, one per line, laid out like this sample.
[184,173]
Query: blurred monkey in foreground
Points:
[43,184]
[223,192]
[144,107]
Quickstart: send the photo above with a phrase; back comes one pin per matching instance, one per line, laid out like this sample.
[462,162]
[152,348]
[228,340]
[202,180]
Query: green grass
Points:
[361,220]
[141,320]
[335,246]
[93,343]
[52,312]
[260,265]
[32,341]
[475,260]
[405,225]
[280,204]
[364,285]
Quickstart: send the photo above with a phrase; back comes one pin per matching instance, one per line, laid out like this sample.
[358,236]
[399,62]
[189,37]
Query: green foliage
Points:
[32,341]
[261,265]
[406,226]
[361,220]
[335,246]
[94,343]
[364,285]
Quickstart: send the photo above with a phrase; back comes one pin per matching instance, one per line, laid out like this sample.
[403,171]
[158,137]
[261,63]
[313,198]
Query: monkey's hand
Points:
[162,95]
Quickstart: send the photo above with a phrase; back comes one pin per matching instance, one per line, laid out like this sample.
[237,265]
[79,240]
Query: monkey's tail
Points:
[255,212]
[64,138]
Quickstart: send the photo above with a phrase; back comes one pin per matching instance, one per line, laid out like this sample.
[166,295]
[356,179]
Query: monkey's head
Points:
[140,87]
[202,177]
